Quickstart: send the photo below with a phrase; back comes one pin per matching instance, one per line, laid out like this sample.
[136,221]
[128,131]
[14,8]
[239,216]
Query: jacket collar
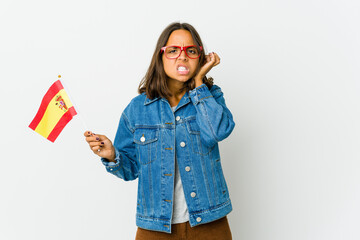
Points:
[184,100]
[148,101]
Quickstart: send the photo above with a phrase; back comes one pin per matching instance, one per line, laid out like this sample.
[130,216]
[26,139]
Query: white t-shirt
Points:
[180,210]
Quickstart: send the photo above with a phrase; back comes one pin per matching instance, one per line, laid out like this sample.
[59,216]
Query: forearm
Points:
[213,117]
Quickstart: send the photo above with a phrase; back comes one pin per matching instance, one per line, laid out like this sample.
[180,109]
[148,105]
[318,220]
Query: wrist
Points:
[198,81]
[112,156]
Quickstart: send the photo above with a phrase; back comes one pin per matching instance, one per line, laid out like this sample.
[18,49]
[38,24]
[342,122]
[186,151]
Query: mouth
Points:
[183,70]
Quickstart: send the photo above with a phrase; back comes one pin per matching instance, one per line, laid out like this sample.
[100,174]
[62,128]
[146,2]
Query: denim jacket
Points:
[148,137]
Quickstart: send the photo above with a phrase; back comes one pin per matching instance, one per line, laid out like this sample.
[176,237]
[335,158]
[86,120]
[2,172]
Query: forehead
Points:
[180,37]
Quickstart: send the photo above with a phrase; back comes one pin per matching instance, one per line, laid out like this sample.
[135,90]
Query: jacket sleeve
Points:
[213,117]
[126,166]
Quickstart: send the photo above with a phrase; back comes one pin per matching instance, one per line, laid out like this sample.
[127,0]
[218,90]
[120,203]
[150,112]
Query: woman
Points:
[168,138]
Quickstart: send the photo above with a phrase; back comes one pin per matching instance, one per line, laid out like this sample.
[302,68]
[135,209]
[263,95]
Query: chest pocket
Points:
[146,140]
[194,132]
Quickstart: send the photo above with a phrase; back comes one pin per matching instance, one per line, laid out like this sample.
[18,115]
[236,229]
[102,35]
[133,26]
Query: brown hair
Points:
[154,82]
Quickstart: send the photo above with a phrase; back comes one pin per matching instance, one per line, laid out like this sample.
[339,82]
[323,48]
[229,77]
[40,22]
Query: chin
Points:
[186,78]
[182,79]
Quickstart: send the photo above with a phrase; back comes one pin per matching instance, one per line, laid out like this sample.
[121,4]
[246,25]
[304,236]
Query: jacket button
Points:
[187,168]
[193,194]
[177,118]
[198,219]
[182,144]
[142,139]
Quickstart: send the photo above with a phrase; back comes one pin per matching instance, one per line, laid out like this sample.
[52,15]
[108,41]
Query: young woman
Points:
[168,138]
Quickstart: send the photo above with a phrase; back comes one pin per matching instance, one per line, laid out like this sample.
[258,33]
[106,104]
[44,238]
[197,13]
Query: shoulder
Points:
[131,111]
[136,102]
[214,88]
[216,91]
[139,99]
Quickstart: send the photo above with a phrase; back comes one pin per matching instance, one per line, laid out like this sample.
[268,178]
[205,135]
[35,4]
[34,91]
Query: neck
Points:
[174,87]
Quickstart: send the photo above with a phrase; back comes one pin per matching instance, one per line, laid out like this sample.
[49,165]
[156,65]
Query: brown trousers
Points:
[216,230]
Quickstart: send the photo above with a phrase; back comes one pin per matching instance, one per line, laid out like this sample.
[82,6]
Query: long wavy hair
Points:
[154,83]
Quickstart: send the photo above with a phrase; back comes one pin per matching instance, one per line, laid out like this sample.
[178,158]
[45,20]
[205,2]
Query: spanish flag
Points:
[54,113]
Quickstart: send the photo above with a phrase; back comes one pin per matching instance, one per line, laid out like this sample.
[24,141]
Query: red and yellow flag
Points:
[54,113]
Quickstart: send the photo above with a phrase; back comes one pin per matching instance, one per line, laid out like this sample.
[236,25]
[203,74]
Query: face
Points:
[182,68]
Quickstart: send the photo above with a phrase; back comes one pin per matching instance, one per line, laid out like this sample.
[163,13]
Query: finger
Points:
[207,58]
[94,144]
[217,59]
[210,61]
[97,137]
[96,149]
[87,133]
[212,57]
[93,139]
[101,137]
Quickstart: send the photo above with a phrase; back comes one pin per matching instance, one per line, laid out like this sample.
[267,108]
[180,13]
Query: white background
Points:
[290,75]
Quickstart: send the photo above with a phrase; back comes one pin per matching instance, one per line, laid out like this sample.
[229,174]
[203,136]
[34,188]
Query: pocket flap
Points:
[192,126]
[145,135]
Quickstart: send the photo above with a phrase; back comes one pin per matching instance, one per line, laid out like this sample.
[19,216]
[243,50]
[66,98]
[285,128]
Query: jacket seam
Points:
[146,217]
[224,111]
[211,127]
[206,97]
[200,86]
[210,209]
[128,123]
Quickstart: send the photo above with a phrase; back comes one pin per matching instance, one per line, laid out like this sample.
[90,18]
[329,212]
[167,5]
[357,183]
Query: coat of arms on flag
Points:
[55,111]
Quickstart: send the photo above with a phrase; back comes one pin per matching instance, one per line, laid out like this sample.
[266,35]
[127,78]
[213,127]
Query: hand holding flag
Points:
[100,145]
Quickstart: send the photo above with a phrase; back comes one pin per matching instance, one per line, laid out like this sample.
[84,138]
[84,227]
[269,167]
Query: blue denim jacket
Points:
[148,137]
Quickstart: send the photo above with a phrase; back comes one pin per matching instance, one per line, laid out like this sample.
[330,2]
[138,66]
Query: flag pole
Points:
[74,104]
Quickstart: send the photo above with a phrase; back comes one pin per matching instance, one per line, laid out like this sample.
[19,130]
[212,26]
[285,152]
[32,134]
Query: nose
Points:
[183,55]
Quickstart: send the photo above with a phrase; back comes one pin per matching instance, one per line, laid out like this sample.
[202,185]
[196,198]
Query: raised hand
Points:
[212,60]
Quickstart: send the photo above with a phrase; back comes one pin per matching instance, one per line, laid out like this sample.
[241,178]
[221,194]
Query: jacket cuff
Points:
[199,93]
[112,166]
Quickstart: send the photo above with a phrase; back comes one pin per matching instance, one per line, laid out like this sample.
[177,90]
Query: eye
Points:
[172,50]
[192,50]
